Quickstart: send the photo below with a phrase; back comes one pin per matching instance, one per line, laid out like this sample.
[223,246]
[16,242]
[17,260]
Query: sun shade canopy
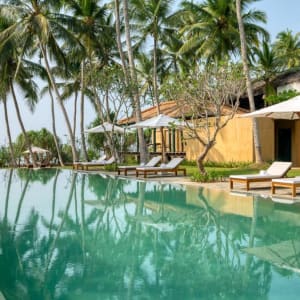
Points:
[289,110]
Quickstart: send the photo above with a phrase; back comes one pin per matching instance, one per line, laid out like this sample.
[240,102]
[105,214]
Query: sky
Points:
[281,15]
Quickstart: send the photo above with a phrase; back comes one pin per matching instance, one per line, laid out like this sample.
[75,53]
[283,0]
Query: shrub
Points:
[211,176]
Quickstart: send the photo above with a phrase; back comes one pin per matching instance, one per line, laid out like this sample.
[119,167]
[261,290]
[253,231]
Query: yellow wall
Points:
[267,138]
[234,143]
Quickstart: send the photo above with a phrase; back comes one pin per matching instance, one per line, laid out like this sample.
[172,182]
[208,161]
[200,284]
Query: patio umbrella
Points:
[106,127]
[159,121]
[36,150]
[289,110]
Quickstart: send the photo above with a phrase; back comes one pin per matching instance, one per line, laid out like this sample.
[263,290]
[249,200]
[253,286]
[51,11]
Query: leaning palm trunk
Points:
[11,148]
[82,113]
[53,84]
[136,97]
[119,43]
[27,141]
[155,88]
[257,146]
[54,130]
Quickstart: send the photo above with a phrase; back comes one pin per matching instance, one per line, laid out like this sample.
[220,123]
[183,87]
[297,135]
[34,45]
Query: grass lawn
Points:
[223,172]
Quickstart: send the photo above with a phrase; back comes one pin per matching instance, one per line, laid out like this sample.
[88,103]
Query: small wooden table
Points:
[292,183]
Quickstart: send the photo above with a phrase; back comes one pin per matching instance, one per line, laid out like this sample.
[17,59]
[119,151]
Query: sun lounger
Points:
[276,170]
[86,165]
[151,163]
[77,164]
[171,167]
[292,183]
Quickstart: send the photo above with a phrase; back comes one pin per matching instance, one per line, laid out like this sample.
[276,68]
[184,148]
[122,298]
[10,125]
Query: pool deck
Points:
[257,188]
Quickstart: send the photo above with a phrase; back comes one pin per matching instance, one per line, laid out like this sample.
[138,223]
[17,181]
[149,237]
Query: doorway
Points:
[284,144]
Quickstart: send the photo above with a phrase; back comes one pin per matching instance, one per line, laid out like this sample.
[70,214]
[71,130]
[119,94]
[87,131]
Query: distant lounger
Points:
[77,164]
[171,167]
[292,183]
[276,170]
[86,165]
[151,163]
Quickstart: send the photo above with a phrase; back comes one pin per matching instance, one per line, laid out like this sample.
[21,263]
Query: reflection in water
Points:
[66,235]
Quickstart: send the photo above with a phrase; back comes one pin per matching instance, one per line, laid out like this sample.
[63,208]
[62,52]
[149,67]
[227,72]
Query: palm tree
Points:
[132,77]
[210,29]
[268,65]
[257,146]
[287,47]
[151,16]
[91,32]
[37,24]
[15,71]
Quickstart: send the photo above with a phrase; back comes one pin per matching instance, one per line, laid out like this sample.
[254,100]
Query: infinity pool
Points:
[66,235]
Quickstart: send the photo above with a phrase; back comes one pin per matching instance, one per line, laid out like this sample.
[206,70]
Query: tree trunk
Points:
[82,113]
[61,162]
[27,141]
[60,102]
[257,146]
[201,157]
[11,148]
[155,88]
[119,43]
[136,97]
[75,113]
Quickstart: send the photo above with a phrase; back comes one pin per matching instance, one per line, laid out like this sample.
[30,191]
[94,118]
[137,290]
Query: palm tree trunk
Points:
[257,146]
[75,113]
[61,162]
[27,141]
[155,89]
[53,84]
[82,113]
[11,148]
[119,43]
[136,97]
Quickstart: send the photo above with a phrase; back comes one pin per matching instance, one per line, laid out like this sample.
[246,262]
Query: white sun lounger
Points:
[171,167]
[151,163]
[278,169]
[292,183]
[86,165]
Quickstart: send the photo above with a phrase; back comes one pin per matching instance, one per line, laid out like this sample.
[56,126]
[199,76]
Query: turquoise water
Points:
[66,235]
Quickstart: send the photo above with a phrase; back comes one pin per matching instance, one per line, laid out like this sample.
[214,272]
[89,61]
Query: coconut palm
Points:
[287,46]
[268,64]
[15,71]
[210,29]
[92,30]
[38,24]
[130,73]
[151,16]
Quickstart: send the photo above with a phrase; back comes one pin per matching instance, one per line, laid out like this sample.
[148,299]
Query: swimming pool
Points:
[67,235]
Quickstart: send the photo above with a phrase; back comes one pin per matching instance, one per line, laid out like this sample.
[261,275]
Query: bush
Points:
[4,157]
[211,176]
[230,164]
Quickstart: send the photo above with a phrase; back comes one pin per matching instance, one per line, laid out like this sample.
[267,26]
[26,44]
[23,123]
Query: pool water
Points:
[67,235]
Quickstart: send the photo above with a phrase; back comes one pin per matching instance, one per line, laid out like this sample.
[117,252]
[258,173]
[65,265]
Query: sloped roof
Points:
[169,108]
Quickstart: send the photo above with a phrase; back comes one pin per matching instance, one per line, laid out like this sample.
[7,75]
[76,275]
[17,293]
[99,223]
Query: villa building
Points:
[279,138]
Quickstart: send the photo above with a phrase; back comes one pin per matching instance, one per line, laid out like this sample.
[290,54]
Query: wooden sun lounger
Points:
[276,170]
[292,183]
[151,163]
[86,165]
[171,167]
